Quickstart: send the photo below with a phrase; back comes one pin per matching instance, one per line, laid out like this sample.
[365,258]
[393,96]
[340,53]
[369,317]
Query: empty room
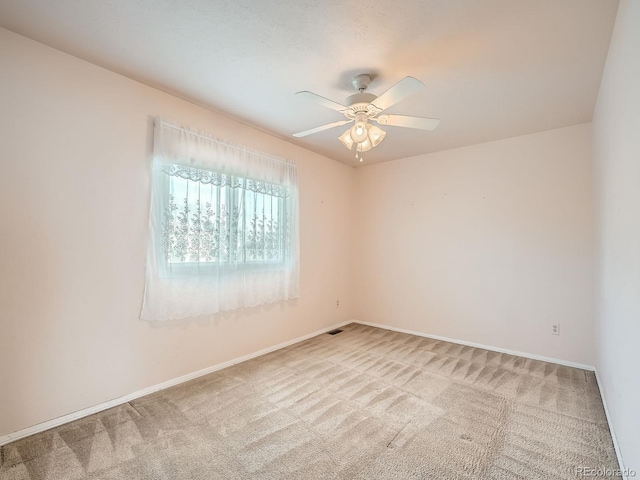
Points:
[319,239]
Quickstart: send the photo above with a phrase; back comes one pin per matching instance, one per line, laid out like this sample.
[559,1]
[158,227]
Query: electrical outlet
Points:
[337,303]
[555,329]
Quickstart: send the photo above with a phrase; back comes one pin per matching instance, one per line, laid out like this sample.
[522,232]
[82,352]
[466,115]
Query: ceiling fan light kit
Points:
[364,108]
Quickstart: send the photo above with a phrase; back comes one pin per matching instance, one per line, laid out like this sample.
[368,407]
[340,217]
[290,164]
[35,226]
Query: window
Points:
[213,218]
[223,229]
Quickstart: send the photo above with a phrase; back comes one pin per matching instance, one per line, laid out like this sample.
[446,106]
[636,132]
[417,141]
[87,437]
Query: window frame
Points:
[235,195]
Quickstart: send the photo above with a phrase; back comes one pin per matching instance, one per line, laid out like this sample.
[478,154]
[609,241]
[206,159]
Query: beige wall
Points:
[490,244]
[616,129]
[74,164]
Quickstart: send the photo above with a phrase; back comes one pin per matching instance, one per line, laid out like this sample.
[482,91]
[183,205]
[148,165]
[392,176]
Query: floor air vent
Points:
[334,332]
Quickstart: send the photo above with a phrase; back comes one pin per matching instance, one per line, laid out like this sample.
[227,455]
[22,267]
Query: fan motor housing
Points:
[359,101]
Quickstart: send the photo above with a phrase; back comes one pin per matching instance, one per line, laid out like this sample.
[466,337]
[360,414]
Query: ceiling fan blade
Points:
[399,91]
[421,123]
[322,101]
[320,129]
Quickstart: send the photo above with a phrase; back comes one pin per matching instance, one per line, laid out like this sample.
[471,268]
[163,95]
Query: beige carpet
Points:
[364,404]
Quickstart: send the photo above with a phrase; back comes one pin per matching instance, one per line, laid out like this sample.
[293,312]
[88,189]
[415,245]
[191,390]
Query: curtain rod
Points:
[226,144]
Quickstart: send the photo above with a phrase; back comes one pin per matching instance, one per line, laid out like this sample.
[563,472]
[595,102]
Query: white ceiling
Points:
[493,68]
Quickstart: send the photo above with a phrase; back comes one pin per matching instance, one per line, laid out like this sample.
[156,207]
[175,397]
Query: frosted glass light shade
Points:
[365,146]
[376,135]
[346,139]
[359,132]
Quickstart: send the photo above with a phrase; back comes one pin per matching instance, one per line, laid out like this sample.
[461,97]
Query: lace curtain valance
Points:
[222,179]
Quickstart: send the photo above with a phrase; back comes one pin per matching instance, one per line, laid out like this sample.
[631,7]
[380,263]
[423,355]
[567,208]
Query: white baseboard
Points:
[41,427]
[533,356]
[613,434]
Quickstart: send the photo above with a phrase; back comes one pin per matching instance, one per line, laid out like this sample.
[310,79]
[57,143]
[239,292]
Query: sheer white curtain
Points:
[223,230]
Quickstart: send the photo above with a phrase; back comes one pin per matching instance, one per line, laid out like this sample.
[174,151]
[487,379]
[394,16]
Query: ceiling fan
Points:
[363,108]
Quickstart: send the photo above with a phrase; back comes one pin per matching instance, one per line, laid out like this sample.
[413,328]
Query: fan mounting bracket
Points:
[361,82]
